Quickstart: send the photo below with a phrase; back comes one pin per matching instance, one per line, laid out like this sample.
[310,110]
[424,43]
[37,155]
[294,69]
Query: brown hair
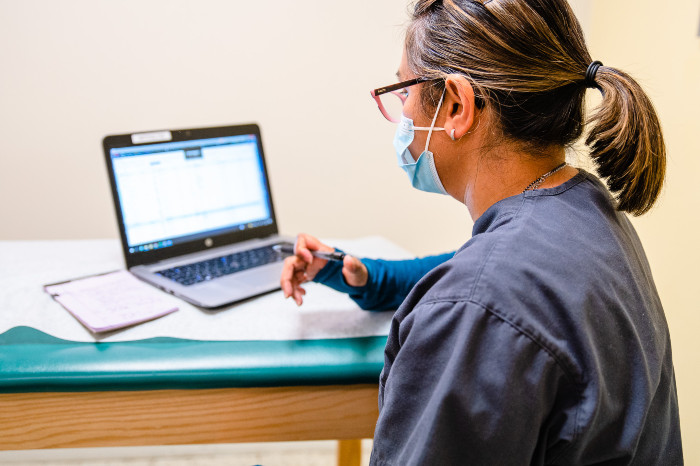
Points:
[527,59]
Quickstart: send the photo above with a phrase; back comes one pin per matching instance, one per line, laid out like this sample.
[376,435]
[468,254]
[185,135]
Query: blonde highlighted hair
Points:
[527,60]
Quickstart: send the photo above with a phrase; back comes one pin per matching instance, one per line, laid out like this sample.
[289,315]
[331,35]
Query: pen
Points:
[286,248]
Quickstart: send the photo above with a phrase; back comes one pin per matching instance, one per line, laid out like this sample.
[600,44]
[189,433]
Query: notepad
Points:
[111,301]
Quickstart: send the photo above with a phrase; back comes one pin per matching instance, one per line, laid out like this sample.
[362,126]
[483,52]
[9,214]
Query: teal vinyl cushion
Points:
[32,361]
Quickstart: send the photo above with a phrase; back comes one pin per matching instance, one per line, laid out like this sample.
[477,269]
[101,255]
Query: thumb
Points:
[354,271]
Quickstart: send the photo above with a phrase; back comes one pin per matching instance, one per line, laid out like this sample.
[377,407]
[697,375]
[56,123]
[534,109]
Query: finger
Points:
[311,242]
[354,271]
[306,243]
[300,277]
[349,270]
[301,248]
[288,278]
[350,264]
[287,275]
[299,293]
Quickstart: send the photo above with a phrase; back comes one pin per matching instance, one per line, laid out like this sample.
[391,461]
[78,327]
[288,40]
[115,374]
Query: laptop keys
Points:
[198,272]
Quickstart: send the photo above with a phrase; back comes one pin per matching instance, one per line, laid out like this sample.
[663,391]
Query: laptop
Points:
[195,212]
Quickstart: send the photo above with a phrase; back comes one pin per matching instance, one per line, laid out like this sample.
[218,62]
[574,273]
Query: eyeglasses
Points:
[390,99]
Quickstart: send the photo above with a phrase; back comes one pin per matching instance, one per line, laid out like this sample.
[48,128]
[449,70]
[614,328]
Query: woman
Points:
[542,340]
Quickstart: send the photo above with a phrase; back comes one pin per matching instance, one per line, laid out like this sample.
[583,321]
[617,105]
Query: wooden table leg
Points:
[349,452]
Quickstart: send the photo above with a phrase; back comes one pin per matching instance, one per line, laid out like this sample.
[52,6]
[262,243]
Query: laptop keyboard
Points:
[225,265]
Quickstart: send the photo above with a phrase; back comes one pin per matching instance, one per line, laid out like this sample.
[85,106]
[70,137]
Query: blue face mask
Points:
[422,173]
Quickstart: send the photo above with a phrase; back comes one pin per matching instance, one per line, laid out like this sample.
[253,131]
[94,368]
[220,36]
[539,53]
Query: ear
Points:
[459,105]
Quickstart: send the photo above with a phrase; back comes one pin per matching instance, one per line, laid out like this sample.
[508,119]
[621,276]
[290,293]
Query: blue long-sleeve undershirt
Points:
[388,281]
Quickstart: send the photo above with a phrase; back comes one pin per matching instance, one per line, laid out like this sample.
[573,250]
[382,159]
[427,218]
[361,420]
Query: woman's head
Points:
[526,61]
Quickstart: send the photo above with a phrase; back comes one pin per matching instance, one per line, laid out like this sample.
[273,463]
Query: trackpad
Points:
[261,277]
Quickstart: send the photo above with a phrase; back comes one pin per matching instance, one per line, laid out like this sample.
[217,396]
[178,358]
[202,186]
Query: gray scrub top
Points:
[542,341]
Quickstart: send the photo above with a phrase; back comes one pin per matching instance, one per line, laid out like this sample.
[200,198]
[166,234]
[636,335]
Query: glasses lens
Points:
[393,105]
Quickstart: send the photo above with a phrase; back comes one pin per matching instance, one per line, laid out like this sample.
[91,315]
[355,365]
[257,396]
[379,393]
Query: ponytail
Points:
[626,142]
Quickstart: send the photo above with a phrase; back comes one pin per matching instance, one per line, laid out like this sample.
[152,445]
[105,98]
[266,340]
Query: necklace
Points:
[535,184]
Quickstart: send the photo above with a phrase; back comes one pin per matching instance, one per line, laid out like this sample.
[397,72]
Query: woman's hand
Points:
[303,266]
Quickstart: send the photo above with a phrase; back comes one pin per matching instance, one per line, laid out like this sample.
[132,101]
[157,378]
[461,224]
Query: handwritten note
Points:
[111,301]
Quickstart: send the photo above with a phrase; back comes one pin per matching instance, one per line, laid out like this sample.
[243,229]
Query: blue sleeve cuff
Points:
[388,283]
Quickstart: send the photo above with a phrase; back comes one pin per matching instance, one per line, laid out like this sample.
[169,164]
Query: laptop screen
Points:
[181,191]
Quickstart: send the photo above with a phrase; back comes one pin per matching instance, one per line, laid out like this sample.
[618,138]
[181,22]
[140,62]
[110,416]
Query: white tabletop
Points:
[25,266]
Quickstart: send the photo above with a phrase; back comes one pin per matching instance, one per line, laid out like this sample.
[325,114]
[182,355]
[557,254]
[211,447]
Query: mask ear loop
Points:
[432,124]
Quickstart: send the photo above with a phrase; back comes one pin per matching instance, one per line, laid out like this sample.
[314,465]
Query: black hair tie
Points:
[591,72]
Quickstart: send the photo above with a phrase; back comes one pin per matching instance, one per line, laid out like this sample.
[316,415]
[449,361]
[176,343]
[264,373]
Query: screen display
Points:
[180,191]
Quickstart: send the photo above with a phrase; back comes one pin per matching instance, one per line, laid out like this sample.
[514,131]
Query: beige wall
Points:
[76,70]
[658,44]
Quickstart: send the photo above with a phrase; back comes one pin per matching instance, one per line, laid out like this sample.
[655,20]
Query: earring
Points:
[452,134]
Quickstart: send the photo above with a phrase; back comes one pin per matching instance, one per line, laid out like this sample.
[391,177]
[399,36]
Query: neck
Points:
[480,169]
[508,173]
